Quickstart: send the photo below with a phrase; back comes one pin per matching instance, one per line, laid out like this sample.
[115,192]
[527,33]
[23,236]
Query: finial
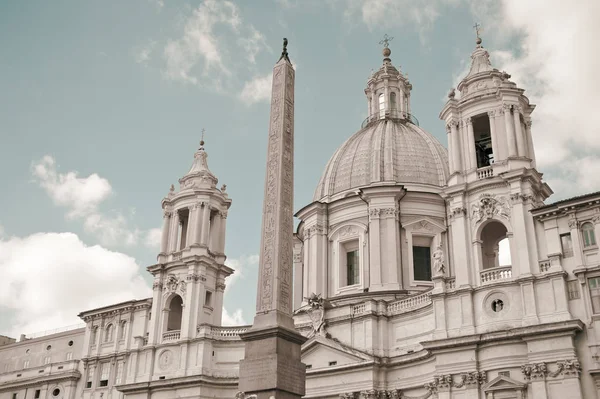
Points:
[202,138]
[386,43]
[452,93]
[477,32]
[284,53]
[172,188]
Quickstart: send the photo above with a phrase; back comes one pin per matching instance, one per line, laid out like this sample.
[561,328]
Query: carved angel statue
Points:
[439,268]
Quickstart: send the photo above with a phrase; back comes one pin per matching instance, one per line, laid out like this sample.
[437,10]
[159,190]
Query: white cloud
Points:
[234,319]
[142,55]
[48,278]
[257,89]
[153,237]
[202,55]
[240,265]
[82,196]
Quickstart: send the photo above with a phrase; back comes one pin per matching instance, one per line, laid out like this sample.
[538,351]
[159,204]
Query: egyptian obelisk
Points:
[271,366]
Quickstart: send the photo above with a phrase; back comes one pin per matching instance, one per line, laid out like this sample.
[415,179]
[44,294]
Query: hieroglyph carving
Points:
[489,207]
[276,246]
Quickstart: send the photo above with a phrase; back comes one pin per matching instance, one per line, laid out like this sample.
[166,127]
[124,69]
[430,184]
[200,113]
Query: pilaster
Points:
[510,131]
[471,144]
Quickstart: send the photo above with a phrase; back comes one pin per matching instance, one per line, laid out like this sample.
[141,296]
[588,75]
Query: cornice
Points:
[72,375]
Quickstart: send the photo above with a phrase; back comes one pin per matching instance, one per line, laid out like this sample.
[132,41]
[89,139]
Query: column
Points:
[198,222]
[156,306]
[174,231]
[451,148]
[387,96]
[401,99]
[215,229]
[375,255]
[164,242]
[510,131]
[478,257]
[459,247]
[222,230]
[456,155]
[492,119]
[471,144]
[191,226]
[521,146]
[521,241]
[577,252]
[530,142]
[205,225]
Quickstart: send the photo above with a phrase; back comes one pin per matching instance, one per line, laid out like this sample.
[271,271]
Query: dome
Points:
[388,150]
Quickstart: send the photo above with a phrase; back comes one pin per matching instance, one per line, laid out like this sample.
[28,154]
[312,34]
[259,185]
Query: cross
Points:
[202,139]
[477,26]
[386,40]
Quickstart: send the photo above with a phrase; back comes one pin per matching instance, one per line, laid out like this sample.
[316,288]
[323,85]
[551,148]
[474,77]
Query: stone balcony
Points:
[173,335]
[496,274]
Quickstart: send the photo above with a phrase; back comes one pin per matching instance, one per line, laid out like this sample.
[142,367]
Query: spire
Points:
[480,58]
[199,174]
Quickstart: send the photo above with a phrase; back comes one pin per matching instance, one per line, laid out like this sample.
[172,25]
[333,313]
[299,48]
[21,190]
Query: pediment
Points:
[503,383]
[320,352]
[425,224]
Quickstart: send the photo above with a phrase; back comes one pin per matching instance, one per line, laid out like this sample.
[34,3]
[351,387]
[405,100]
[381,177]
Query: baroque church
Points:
[419,272]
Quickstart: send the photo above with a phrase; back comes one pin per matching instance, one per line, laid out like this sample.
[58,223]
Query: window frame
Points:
[428,261]
[588,235]
[109,333]
[103,382]
[569,252]
[596,279]
[344,247]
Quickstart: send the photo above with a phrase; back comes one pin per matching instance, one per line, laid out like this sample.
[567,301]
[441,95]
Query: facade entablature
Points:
[122,310]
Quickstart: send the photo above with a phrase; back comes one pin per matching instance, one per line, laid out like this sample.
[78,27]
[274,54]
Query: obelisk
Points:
[271,365]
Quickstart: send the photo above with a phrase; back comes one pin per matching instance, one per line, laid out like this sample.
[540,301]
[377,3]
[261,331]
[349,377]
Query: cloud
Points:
[234,319]
[240,265]
[142,54]
[48,278]
[153,237]
[82,196]
[201,56]
[257,89]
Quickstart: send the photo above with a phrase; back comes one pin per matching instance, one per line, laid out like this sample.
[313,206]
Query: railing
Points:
[358,309]
[496,274]
[390,114]
[410,303]
[55,331]
[545,265]
[485,172]
[221,332]
[450,283]
[171,335]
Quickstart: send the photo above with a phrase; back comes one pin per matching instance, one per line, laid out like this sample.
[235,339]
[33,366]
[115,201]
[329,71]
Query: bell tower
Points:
[189,278]
[493,181]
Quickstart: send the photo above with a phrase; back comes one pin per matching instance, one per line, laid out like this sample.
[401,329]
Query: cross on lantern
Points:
[386,40]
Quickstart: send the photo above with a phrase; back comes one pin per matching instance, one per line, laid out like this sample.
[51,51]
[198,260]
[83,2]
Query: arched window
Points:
[589,237]
[109,333]
[94,335]
[393,109]
[495,247]
[381,106]
[175,313]
[123,332]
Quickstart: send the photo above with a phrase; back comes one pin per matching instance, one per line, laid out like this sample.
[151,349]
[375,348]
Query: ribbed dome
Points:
[385,151]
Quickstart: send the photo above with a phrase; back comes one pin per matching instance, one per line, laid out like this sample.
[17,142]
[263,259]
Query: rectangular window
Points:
[104,371]
[26,364]
[334,363]
[483,140]
[567,245]
[90,378]
[208,298]
[572,289]
[589,238]
[69,355]
[422,263]
[37,394]
[119,373]
[595,293]
[47,360]
[14,396]
[352,268]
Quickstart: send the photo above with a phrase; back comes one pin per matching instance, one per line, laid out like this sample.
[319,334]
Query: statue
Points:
[224,188]
[452,94]
[438,261]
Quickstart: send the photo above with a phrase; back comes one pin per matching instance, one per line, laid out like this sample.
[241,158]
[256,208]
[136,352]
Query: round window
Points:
[70,343]
[49,347]
[56,392]
[27,351]
[497,305]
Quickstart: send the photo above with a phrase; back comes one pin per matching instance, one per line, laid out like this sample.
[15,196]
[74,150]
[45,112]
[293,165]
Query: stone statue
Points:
[452,93]
[438,261]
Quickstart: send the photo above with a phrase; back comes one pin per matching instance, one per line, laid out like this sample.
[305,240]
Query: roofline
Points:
[131,302]
[572,200]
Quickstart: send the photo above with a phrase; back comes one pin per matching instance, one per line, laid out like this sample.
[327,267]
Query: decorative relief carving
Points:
[221,286]
[313,230]
[297,258]
[174,284]
[243,395]
[539,371]
[167,214]
[488,207]
[572,223]
[223,214]
[506,107]
[315,308]
[535,371]
[492,114]
[157,285]
[374,213]
[165,360]
[423,225]
[388,212]
[348,231]
[469,121]
[517,198]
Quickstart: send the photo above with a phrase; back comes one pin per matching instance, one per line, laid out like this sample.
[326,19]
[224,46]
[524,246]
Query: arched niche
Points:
[174,313]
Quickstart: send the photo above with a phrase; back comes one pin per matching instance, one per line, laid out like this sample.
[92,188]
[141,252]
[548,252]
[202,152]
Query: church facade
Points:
[419,272]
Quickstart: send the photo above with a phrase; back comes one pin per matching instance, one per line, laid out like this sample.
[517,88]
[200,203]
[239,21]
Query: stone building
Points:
[419,272]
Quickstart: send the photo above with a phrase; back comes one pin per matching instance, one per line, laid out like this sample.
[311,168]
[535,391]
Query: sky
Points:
[102,105]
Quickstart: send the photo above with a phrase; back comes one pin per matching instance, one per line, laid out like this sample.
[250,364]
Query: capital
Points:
[491,114]
[506,107]
[468,121]
[528,124]
[517,109]
[167,214]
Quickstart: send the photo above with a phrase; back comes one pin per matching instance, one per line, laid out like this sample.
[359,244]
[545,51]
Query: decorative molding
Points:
[468,121]
[223,214]
[489,207]
[195,277]
[174,284]
[573,224]
[374,213]
[297,258]
[314,230]
[315,308]
[534,371]
[157,285]
[167,214]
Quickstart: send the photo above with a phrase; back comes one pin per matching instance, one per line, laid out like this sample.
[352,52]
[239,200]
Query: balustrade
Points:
[496,274]
[485,172]
[544,265]
[171,335]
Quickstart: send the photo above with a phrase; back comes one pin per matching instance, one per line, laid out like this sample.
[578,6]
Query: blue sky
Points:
[102,106]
